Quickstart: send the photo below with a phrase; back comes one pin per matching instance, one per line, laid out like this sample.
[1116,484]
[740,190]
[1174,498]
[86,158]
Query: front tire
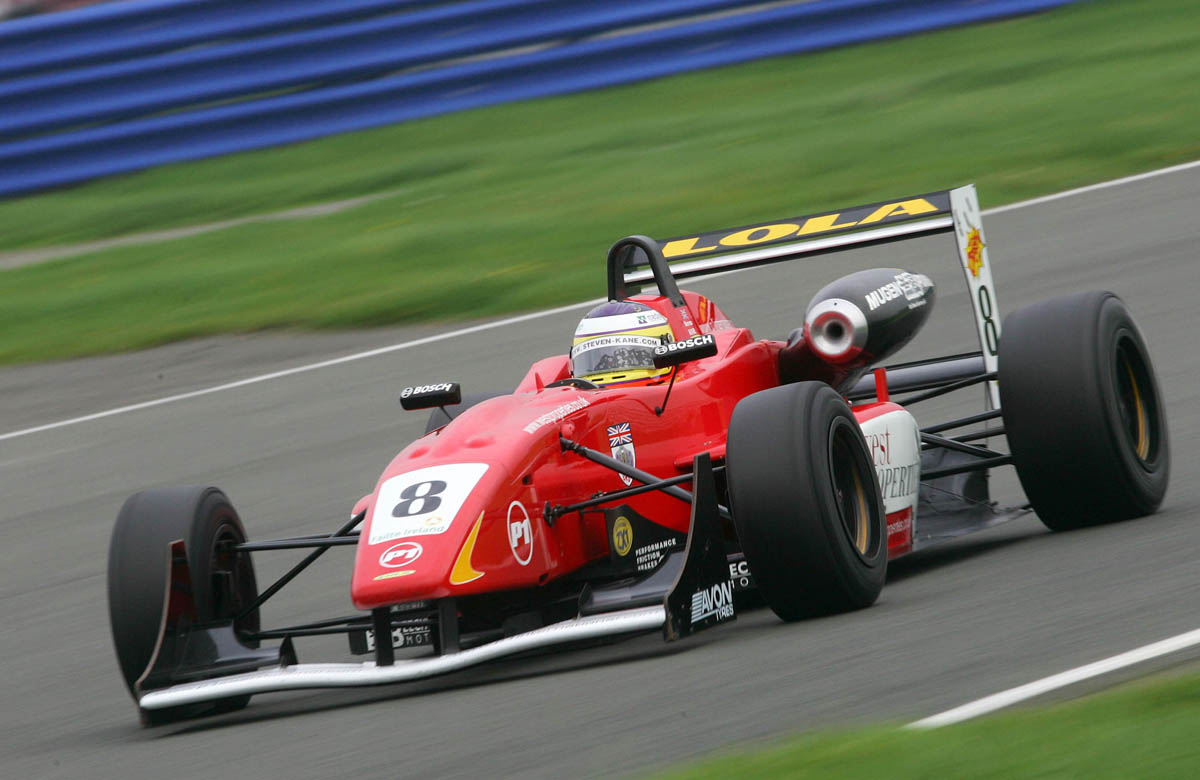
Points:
[139,566]
[1083,412]
[805,500]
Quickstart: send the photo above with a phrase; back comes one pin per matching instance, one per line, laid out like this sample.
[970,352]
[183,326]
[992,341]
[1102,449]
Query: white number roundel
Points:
[422,502]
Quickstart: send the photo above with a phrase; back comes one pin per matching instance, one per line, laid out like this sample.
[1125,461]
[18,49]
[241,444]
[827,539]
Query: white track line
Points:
[1092,188]
[300,369]
[1038,687]
[497,324]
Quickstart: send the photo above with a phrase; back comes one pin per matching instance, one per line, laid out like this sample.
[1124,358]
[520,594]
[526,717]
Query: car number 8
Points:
[418,501]
[990,337]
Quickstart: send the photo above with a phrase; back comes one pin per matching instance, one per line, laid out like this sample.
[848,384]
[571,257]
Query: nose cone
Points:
[452,515]
[416,527]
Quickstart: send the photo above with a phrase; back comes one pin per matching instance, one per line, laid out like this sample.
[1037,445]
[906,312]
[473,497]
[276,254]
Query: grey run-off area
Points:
[983,614]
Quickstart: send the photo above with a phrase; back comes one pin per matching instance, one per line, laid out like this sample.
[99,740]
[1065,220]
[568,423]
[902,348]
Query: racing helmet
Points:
[614,344]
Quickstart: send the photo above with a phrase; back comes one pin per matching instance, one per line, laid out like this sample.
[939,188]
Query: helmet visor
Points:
[618,352]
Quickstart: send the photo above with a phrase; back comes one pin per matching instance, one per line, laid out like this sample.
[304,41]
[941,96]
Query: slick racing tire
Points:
[1082,411]
[441,416]
[805,501]
[139,565]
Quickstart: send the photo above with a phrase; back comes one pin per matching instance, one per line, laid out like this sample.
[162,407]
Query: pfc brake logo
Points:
[675,346]
[441,387]
[714,601]
[401,554]
[622,536]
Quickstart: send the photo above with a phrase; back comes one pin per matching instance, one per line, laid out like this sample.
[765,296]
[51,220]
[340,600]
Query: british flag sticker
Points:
[620,440]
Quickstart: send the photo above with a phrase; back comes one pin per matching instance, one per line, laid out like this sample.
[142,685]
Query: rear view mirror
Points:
[429,396]
[679,352]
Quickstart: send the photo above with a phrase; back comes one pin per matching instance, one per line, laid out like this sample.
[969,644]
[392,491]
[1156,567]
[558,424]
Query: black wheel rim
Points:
[850,491]
[232,579]
[1136,401]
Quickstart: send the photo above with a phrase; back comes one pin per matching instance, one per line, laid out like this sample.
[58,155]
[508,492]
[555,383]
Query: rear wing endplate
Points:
[637,260]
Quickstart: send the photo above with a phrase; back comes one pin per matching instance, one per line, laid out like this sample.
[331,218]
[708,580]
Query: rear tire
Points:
[1083,412]
[139,564]
[806,501]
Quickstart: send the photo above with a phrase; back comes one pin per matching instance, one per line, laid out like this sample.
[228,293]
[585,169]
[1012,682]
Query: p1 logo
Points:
[402,554]
[520,533]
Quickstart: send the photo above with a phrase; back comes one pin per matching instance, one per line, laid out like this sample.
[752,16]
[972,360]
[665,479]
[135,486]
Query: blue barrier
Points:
[349,51]
[574,64]
[118,31]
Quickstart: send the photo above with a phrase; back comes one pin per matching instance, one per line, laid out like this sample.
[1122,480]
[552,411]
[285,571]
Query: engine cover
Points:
[856,321]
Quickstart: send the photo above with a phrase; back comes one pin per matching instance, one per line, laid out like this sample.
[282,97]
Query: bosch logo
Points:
[420,389]
[401,554]
[695,341]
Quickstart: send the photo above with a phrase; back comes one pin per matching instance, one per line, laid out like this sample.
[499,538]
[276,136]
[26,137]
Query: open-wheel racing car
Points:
[668,471]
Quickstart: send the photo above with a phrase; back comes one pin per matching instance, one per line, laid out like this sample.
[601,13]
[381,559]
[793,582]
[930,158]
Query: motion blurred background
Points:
[351,163]
[11,8]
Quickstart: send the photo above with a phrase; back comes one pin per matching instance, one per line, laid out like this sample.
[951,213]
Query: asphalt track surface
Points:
[954,623]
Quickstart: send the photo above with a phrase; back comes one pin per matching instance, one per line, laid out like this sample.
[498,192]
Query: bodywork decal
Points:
[973,257]
[422,502]
[556,414]
[871,215]
[620,442]
[463,572]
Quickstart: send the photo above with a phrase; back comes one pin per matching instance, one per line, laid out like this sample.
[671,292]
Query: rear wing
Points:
[637,260]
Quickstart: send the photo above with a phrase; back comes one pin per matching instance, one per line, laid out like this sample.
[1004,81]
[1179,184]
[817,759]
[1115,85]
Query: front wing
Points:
[350,675]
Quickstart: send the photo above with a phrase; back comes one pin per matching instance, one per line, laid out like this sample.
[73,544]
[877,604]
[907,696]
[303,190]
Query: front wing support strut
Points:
[299,567]
[629,471]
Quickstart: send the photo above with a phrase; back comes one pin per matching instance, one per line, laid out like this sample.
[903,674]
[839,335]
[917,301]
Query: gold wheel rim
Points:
[863,535]
[1142,443]
[851,495]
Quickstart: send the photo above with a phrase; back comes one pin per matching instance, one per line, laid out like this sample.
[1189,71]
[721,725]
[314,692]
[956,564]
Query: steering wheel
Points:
[571,381]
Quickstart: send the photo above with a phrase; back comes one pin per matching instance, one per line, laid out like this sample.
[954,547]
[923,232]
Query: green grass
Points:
[1143,730]
[514,207]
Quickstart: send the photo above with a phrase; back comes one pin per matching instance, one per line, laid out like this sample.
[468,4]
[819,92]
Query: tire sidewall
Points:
[1061,403]
[139,565]
[779,454]
[217,522]
[1143,482]
[861,571]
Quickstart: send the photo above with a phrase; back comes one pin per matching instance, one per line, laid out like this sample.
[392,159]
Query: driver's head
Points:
[614,344]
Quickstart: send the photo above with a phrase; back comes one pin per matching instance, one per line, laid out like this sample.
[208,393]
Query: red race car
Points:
[669,471]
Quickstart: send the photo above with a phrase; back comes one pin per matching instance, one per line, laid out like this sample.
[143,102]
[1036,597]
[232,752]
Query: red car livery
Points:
[737,470]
